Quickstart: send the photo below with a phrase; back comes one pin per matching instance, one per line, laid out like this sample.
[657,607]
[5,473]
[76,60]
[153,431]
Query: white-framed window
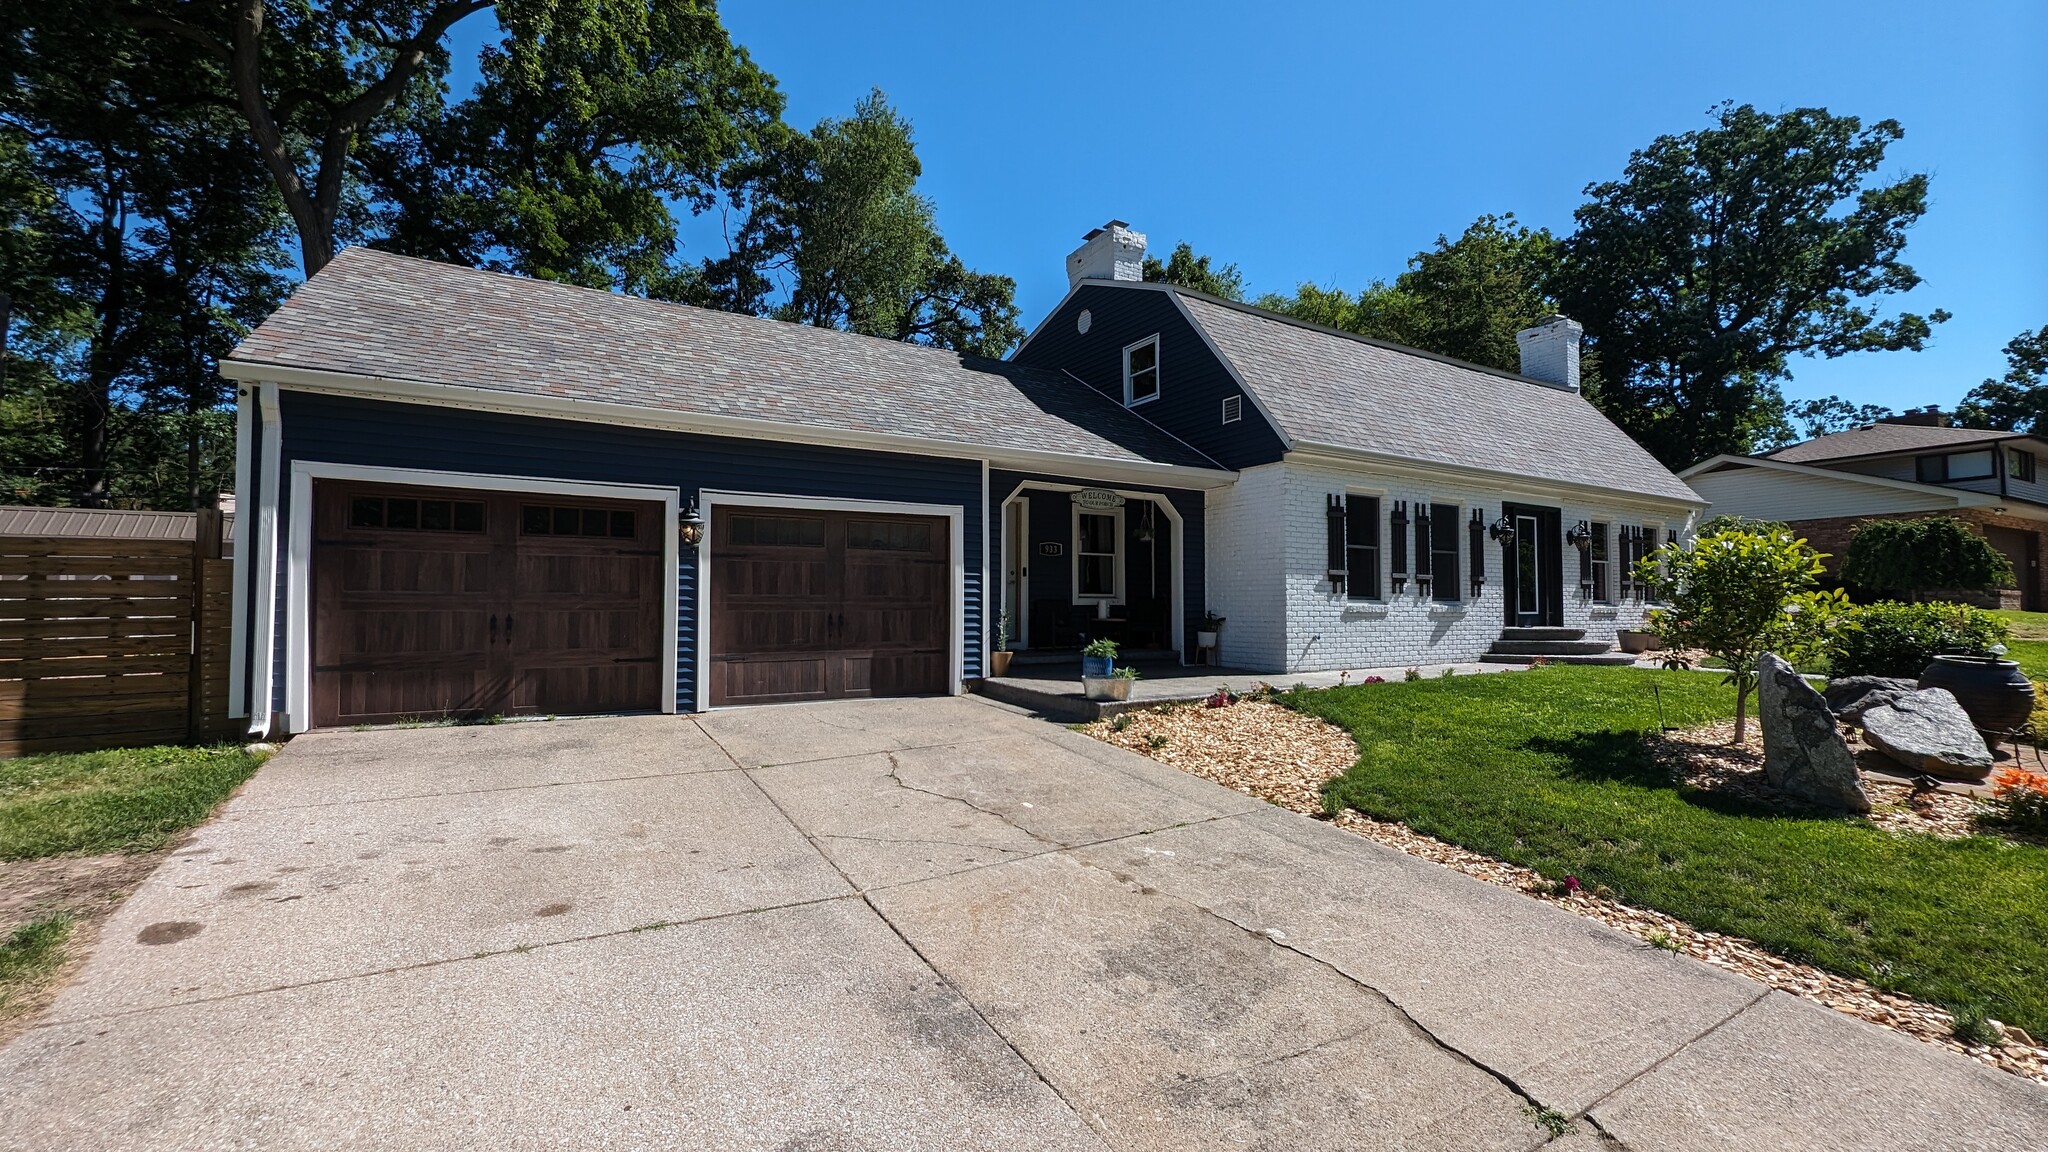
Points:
[1141,371]
[1098,554]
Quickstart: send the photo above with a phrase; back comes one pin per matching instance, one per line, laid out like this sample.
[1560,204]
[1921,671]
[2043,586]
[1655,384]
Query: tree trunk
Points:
[1741,711]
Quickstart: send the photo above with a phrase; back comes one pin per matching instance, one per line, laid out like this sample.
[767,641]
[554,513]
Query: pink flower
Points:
[1571,885]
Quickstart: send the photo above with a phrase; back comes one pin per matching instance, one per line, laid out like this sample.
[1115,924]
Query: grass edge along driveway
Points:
[1548,769]
[126,800]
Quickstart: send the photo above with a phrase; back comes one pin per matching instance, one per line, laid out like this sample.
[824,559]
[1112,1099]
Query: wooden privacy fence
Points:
[112,642]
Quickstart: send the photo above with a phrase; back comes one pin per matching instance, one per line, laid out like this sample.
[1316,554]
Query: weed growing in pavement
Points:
[1550,1120]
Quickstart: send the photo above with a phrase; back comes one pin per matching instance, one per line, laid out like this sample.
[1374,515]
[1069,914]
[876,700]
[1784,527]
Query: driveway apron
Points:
[896,924]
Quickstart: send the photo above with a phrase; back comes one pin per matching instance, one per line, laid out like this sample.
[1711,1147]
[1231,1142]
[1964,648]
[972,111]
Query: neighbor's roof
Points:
[97,523]
[1882,439]
[372,314]
[1331,388]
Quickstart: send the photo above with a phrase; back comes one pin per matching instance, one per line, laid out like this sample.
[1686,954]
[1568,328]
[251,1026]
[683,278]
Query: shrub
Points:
[1894,639]
[1909,558]
[2021,798]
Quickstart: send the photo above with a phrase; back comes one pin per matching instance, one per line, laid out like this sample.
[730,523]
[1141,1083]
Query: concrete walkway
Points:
[931,924]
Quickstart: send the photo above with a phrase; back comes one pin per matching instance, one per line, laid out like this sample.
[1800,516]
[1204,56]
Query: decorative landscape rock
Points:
[1850,696]
[1805,756]
[1928,731]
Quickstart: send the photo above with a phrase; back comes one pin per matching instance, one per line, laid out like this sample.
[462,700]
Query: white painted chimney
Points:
[1550,351]
[1111,252]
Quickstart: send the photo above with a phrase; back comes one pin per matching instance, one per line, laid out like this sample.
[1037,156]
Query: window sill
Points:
[1449,607]
[1365,610]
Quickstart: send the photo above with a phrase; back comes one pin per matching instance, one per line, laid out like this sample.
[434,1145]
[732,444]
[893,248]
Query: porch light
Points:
[1502,531]
[691,526]
[1580,536]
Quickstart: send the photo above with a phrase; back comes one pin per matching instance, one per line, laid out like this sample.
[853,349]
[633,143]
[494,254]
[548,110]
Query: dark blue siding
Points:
[1052,520]
[1193,382]
[374,433]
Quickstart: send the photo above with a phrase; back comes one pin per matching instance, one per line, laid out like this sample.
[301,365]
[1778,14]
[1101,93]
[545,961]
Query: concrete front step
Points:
[1553,647]
[1605,658]
[1543,634]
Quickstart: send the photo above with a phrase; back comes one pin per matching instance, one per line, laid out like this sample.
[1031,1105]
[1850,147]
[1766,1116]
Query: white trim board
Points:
[265,640]
[955,514]
[245,504]
[298,693]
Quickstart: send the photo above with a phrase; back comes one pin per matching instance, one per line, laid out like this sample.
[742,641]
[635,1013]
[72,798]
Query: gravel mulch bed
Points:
[1276,754]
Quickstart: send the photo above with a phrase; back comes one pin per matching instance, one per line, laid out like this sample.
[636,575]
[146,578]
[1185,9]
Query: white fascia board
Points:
[1331,456]
[1963,497]
[633,415]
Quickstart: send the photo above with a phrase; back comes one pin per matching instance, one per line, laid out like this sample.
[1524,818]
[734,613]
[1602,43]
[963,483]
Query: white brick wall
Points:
[1241,564]
[1267,551]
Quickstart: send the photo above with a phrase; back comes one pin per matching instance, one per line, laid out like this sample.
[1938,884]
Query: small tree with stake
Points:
[1738,593]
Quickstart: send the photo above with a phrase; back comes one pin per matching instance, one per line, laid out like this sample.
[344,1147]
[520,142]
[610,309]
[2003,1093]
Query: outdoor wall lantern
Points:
[1580,536]
[1502,531]
[691,526]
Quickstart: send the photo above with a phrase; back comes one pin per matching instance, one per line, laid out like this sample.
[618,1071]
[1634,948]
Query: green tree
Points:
[1187,270]
[139,242]
[1465,298]
[1806,419]
[837,235]
[1911,558]
[1723,252]
[2017,402]
[590,119]
[1738,593]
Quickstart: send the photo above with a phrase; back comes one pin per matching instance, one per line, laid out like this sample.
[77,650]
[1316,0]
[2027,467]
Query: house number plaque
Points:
[1050,548]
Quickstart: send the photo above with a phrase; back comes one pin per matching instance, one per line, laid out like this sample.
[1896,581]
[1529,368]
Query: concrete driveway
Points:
[929,924]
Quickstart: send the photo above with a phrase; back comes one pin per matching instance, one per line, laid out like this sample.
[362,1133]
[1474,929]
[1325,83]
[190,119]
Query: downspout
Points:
[245,504]
[264,657]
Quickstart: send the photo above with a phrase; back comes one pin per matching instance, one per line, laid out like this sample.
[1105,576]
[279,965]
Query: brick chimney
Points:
[1931,416]
[1111,252]
[1550,352]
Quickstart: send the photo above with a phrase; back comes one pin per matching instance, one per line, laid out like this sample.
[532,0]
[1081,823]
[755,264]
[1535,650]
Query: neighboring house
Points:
[1899,468]
[474,492]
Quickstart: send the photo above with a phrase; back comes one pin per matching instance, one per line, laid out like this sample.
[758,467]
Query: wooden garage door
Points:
[435,602]
[815,605]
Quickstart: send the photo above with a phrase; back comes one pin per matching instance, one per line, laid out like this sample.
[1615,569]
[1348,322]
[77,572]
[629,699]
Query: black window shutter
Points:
[1423,559]
[1586,565]
[1333,521]
[1476,534]
[1397,539]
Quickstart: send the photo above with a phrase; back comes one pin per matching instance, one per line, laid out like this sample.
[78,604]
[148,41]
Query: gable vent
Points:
[1233,409]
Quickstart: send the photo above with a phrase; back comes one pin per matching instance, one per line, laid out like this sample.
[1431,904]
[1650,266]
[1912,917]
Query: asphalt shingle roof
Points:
[1879,439]
[1341,391]
[370,313]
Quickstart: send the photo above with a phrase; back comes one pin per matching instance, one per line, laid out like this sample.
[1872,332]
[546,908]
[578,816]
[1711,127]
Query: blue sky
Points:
[1330,142]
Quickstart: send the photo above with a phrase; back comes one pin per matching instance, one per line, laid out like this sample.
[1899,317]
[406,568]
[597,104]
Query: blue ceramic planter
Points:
[1098,665]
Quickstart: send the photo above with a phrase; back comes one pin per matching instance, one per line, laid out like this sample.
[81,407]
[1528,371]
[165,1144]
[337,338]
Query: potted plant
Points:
[1098,658]
[1639,640]
[999,660]
[1116,686]
[1205,636]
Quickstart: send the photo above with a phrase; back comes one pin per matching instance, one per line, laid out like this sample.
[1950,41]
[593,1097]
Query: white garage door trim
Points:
[298,653]
[955,515]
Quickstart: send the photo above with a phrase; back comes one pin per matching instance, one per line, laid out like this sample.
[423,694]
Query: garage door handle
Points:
[508,627]
[494,628]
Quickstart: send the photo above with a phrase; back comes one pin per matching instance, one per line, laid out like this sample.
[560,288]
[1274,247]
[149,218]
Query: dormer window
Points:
[1141,371]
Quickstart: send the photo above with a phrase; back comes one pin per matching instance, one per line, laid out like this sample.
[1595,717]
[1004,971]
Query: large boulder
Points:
[1850,696]
[1927,731]
[1805,756]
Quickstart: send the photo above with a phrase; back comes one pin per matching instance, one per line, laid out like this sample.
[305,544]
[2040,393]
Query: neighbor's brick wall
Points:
[1323,629]
[1831,536]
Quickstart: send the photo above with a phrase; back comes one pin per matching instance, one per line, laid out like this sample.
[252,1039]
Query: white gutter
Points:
[266,562]
[1333,456]
[631,415]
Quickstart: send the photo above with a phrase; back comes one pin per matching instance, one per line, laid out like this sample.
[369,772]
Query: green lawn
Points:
[1547,769]
[2029,642]
[123,800]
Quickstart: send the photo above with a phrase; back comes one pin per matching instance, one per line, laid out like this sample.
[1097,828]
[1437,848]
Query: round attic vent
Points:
[1082,324]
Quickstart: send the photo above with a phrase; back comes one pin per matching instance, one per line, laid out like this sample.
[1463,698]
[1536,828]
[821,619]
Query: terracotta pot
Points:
[1106,687]
[1996,694]
[999,662]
